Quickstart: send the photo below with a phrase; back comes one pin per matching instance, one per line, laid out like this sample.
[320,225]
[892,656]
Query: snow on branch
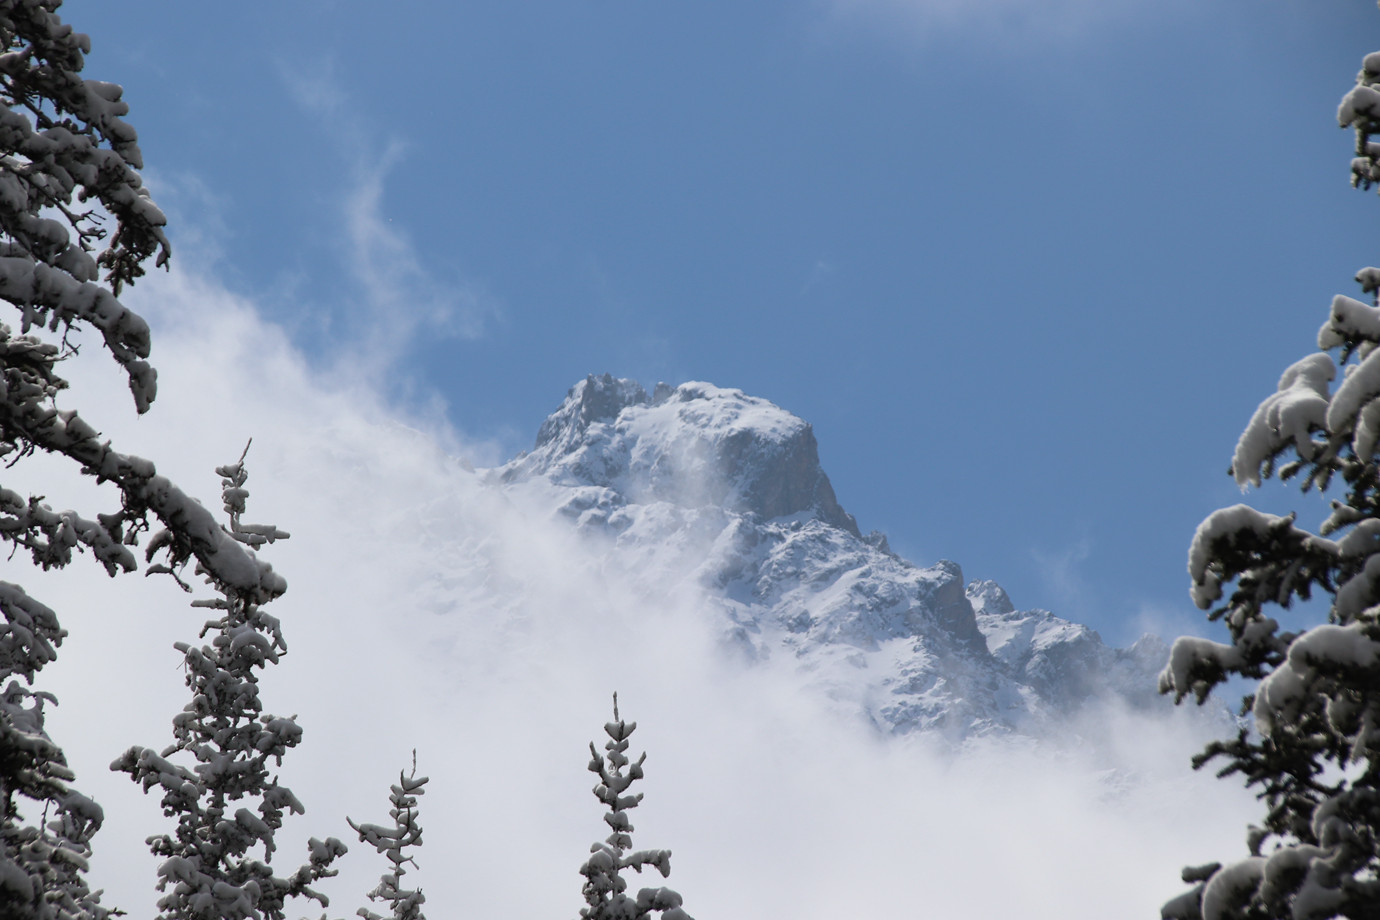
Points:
[1351,324]
[29,421]
[51,536]
[1241,541]
[1288,417]
[1360,109]
[68,165]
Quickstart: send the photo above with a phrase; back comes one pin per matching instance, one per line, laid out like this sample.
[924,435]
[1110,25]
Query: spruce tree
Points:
[393,842]
[1313,753]
[605,889]
[229,806]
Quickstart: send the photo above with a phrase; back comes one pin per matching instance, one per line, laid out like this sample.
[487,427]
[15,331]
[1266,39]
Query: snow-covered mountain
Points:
[708,490]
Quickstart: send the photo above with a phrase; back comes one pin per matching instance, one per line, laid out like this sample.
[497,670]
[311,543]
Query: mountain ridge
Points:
[708,486]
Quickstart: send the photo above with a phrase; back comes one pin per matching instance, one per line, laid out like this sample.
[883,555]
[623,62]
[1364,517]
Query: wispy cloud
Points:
[398,289]
[315,84]
[819,274]
[1062,572]
[397,293]
[196,210]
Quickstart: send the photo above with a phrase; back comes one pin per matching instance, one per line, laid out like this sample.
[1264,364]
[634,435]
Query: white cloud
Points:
[1062,573]
[315,84]
[401,295]
[396,293]
[426,610]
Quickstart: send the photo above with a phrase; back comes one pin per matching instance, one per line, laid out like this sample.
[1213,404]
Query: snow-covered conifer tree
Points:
[1314,753]
[71,205]
[228,805]
[41,866]
[605,889]
[392,842]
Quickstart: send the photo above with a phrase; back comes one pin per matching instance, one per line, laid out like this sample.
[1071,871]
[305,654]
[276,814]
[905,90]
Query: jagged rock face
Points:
[1063,661]
[695,445]
[708,486]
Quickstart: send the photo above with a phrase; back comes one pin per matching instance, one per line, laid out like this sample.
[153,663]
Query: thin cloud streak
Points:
[400,293]
[1062,573]
[398,296]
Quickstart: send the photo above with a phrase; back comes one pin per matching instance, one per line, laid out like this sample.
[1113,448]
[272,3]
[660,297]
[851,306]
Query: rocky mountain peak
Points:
[592,400]
[694,445]
[711,490]
[990,598]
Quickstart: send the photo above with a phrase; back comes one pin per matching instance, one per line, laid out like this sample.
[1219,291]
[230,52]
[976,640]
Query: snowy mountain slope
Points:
[703,489]
[1064,662]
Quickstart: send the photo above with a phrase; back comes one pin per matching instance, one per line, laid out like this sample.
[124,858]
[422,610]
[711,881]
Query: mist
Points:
[429,611]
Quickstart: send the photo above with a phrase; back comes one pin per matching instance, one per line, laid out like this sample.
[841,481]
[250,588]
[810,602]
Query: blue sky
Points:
[1027,275]
[1027,268]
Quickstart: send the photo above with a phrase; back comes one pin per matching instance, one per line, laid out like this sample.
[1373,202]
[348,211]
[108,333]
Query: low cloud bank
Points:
[426,610]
